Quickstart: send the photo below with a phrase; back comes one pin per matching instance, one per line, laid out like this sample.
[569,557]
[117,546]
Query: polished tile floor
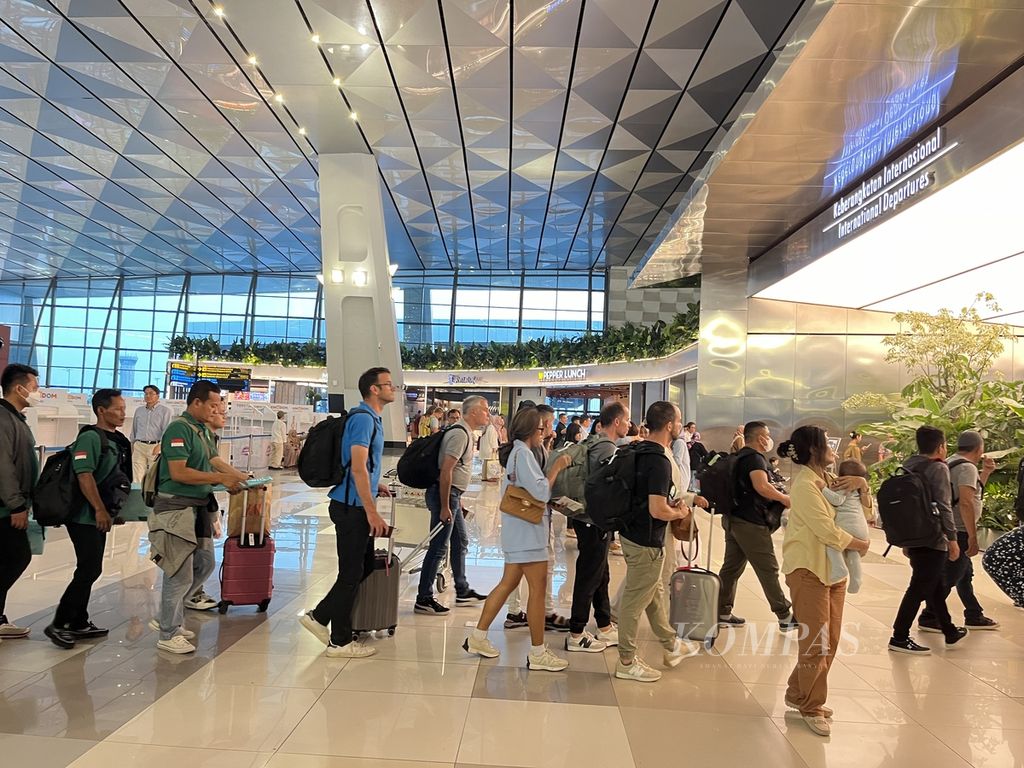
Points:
[260,693]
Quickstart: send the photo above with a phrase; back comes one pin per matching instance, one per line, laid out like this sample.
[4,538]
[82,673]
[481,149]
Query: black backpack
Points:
[319,463]
[610,489]
[698,454]
[420,465]
[717,481]
[57,495]
[909,517]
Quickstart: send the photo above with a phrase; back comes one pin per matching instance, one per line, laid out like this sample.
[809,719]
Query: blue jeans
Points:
[456,533]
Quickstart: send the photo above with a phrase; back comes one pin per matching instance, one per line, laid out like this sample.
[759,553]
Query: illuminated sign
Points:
[896,183]
[224,376]
[455,378]
[563,374]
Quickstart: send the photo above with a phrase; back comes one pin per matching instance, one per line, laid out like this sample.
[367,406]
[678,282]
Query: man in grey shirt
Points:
[148,425]
[967,484]
[444,502]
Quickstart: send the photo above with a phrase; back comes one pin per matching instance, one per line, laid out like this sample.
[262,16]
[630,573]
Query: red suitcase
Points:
[247,570]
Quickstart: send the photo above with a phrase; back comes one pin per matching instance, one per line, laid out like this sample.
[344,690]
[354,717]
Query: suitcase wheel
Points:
[442,583]
[264,605]
[222,606]
[391,631]
[709,643]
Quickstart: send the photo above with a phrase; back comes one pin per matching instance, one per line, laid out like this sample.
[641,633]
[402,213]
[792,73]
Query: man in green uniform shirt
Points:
[189,469]
[93,463]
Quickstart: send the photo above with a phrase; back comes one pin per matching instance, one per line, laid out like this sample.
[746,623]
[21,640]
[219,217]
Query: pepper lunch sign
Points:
[563,374]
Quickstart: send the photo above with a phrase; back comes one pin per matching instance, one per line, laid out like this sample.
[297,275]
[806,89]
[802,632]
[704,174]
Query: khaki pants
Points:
[276,454]
[820,610]
[750,543]
[144,456]
[643,592]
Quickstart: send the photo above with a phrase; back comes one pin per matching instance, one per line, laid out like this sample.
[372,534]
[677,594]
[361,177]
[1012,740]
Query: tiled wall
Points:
[642,305]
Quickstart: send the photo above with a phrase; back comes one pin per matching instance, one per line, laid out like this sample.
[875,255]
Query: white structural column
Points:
[361,328]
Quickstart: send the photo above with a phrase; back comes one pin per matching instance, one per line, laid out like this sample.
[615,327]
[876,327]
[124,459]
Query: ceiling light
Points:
[302,131]
[362,31]
[346,47]
[218,12]
[365,46]
[353,115]
[337,81]
[330,50]
[252,60]
[338,275]
[279,98]
[316,39]
[392,269]
[359,278]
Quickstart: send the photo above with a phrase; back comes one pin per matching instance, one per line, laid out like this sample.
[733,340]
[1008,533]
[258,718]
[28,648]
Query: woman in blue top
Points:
[525,545]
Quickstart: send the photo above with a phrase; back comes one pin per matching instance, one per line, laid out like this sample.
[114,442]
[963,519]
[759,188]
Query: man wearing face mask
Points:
[19,467]
[748,530]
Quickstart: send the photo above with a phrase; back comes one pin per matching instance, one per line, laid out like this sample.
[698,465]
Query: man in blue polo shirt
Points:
[354,514]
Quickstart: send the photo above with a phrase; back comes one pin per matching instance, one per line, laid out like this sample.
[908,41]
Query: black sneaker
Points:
[929,626]
[731,620]
[983,623]
[959,634]
[60,637]
[469,596]
[431,607]
[87,632]
[515,620]
[788,624]
[908,646]
[555,623]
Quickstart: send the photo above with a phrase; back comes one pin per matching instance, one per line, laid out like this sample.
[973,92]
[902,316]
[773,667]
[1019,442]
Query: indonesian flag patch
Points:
[177,442]
[81,455]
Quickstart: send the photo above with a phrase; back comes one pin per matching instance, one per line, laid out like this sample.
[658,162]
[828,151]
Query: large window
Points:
[87,333]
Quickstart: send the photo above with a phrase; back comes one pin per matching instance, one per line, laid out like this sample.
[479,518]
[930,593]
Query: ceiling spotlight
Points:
[218,12]
[346,47]
[337,81]
[302,131]
[353,115]
[359,278]
[252,60]
[279,98]
[338,275]
[362,30]
[316,39]
[365,46]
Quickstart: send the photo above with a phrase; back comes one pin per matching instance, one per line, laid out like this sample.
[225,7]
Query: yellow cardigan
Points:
[812,528]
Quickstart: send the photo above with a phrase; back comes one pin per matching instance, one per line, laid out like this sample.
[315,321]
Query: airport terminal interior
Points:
[734,230]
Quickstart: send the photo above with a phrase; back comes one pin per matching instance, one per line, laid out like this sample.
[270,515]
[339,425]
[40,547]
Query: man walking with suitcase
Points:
[443,501]
[189,468]
[354,513]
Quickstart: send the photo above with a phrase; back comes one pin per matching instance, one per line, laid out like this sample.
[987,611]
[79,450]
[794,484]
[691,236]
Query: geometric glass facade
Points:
[86,333]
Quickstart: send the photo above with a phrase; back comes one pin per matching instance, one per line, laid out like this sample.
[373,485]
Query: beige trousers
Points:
[144,456]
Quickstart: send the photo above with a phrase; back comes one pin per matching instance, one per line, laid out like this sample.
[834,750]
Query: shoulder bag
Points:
[520,503]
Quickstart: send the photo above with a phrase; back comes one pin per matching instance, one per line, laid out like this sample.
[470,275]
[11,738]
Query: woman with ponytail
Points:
[817,601]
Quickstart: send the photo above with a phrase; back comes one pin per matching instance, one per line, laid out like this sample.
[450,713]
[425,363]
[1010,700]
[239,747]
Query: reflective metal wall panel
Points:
[771,316]
[820,367]
[771,366]
[866,369]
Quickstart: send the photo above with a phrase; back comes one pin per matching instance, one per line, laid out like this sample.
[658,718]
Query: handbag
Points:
[520,503]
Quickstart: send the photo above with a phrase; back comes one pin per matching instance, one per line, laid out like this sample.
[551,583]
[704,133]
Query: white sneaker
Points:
[818,724]
[638,671]
[318,630]
[677,654]
[12,631]
[354,650]
[201,602]
[547,661]
[483,647]
[176,644]
[188,634]
[585,643]
[609,638]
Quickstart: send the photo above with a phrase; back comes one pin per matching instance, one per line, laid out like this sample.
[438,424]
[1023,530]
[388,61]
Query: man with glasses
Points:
[148,425]
[354,513]
[443,499]
[748,537]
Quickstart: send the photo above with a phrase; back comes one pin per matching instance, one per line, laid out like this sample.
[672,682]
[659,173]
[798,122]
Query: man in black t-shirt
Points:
[748,537]
[657,503]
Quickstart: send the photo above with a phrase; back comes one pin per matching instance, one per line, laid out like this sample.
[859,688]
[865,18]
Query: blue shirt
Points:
[369,433]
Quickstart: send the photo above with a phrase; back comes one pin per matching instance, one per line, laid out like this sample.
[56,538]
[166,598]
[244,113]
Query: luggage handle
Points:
[711,535]
[263,517]
[421,546]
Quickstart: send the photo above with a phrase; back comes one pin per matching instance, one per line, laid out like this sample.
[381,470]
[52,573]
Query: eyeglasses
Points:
[390,384]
